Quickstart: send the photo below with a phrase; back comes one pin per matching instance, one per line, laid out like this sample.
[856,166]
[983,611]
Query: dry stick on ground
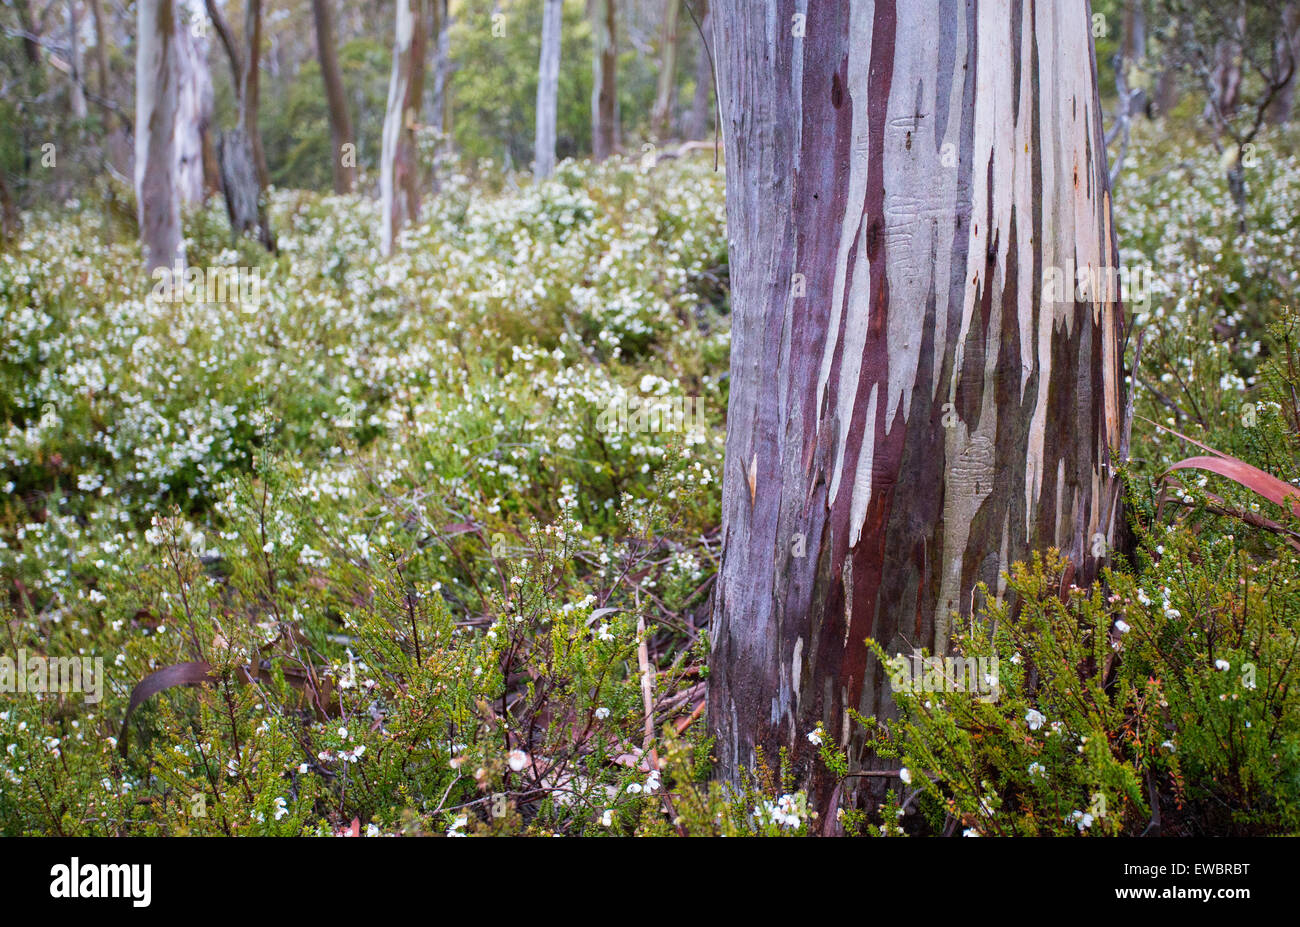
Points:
[647,683]
[690,719]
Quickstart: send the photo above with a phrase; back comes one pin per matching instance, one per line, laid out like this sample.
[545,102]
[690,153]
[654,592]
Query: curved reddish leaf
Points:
[178,674]
[1256,480]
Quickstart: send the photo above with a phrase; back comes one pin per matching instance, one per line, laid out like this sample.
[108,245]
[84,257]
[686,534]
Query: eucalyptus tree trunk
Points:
[117,142]
[702,104]
[31,33]
[548,88]
[11,223]
[1133,52]
[77,65]
[442,72]
[1224,87]
[1286,60]
[101,56]
[249,88]
[661,114]
[1168,91]
[158,205]
[399,187]
[194,110]
[604,82]
[911,409]
[228,43]
[344,161]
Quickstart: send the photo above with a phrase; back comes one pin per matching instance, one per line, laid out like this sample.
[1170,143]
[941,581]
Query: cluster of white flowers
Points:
[789,810]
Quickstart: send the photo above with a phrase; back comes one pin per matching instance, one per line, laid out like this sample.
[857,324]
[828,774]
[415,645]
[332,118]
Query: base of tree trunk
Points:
[240,187]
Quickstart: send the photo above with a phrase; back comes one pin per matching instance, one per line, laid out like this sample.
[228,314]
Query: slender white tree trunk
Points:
[442,73]
[158,205]
[398,184]
[78,61]
[920,395]
[548,87]
[666,93]
[193,113]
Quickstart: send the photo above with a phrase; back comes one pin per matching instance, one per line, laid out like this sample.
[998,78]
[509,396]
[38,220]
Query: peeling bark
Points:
[399,184]
[906,394]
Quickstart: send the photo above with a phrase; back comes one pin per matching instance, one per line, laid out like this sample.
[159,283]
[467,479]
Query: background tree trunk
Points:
[249,89]
[240,188]
[11,224]
[439,108]
[399,185]
[442,72]
[31,47]
[1224,89]
[1286,58]
[158,206]
[604,82]
[907,400]
[78,75]
[101,57]
[665,95]
[228,43]
[1133,49]
[548,88]
[117,141]
[702,104]
[193,117]
[1167,90]
[345,171]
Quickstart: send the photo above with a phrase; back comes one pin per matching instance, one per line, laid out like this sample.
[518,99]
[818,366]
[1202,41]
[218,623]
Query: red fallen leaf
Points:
[200,672]
[178,674]
[459,527]
[352,830]
[1256,480]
